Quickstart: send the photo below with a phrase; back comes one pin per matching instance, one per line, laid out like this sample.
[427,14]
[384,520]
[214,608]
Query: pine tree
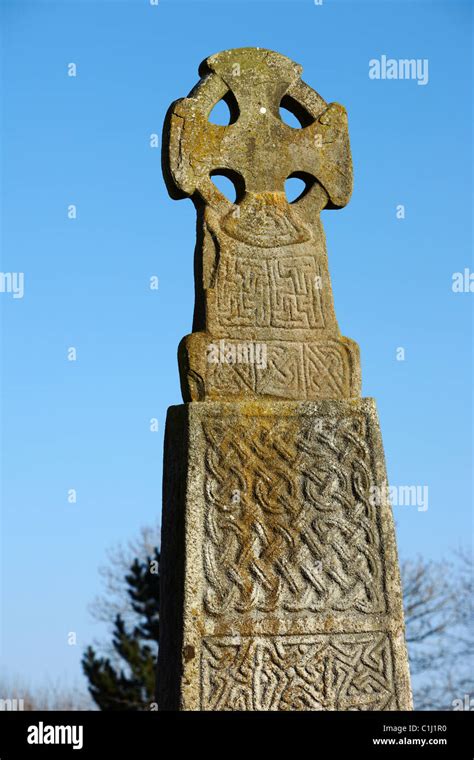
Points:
[130,684]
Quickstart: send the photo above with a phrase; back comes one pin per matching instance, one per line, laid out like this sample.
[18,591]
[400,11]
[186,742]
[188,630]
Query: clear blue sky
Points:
[85,141]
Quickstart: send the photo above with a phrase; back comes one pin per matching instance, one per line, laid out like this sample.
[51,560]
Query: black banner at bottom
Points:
[381,734]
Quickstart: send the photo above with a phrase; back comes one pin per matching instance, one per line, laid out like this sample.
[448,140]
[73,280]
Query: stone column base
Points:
[280,580]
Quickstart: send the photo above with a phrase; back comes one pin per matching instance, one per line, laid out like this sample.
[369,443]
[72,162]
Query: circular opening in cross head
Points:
[225,111]
[297,185]
[230,183]
[294,114]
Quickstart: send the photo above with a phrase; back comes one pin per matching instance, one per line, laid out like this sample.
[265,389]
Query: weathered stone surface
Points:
[291,596]
[280,587]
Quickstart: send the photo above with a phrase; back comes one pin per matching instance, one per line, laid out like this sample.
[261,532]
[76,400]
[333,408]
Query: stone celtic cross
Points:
[280,586]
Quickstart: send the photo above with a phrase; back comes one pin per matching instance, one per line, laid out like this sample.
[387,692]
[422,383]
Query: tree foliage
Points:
[126,680]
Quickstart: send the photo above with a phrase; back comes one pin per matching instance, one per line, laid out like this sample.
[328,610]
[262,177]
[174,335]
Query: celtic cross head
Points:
[262,278]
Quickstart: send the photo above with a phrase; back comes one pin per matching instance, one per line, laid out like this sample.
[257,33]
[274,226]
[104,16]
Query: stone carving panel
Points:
[316,672]
[280,293]
[229,368]
[289,524]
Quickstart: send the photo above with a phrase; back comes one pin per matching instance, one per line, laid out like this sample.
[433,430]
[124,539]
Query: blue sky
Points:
[85,140]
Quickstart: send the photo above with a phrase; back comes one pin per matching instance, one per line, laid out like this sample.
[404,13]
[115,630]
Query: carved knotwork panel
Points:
[308,672]
[280,293]
[289,523]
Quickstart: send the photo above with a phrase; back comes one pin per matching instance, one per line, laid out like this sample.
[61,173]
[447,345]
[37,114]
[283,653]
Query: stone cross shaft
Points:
[280,586]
